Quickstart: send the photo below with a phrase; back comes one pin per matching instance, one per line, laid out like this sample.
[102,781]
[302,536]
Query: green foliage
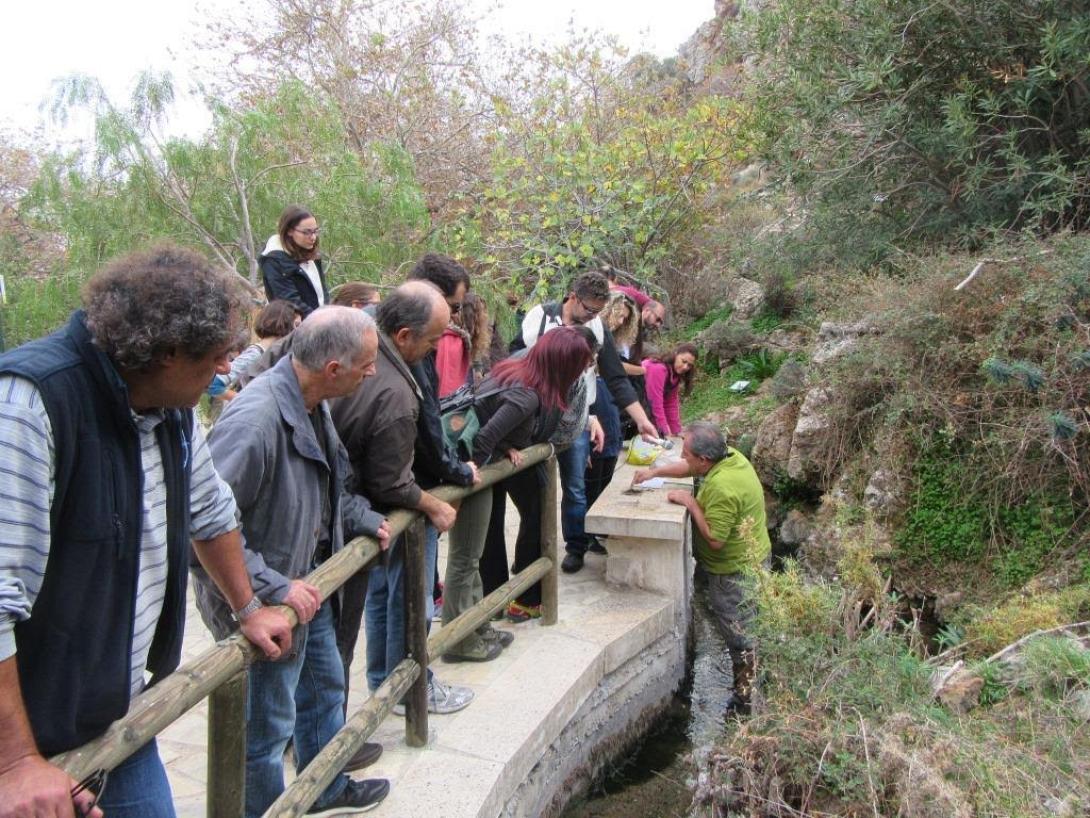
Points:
[766,322]
[760,365]
[781,294]
[594,168]
[912,121]
[711,393]
[946,524]
[706,320]
[849,725]
[224,191]
[36,307]
[1054,664]
[991,629]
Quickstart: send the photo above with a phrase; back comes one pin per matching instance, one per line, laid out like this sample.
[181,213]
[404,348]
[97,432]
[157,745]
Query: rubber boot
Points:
[744,666]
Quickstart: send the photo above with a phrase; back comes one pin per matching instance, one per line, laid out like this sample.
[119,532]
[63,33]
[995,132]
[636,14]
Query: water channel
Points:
[655,778]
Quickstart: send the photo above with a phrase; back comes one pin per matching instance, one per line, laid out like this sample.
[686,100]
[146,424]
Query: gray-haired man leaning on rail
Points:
[105,479]
[276,446]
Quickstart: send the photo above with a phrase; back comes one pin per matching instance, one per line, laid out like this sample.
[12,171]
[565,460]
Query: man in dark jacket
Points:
[378,425]
[106,481]
[436,461]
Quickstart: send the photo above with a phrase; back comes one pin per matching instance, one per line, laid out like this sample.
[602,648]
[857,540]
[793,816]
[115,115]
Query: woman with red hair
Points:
[517,405]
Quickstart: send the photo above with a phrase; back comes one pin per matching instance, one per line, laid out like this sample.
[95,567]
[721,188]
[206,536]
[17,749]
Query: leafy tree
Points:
[916,121]
[596,165]
[225,190]
[406,74]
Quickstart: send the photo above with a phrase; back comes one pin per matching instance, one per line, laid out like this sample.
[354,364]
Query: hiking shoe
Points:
[365,756]
[572,562]
[443,698]
[501,638]
[474,649]
[596,546]
[357,796]
[517,612]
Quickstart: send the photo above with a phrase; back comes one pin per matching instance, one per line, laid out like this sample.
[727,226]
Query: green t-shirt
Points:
[734,506]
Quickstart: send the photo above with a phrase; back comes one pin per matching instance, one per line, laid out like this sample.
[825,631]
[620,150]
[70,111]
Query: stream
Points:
[654,779]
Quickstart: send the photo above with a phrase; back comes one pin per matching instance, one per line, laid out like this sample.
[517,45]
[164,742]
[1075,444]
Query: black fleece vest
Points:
[73,654]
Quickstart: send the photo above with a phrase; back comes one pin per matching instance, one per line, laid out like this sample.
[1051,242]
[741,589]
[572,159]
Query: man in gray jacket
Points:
[277,448]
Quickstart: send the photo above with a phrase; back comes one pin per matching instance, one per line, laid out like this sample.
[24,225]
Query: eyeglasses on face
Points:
[589,310]
[309,233]
[95,783]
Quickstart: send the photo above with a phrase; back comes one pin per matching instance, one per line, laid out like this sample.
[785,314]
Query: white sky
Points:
[116,39]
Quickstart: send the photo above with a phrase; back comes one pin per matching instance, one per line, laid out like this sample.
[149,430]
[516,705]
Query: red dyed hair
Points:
[551,367]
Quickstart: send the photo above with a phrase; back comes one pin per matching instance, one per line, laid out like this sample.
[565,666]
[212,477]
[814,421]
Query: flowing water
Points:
[654,779]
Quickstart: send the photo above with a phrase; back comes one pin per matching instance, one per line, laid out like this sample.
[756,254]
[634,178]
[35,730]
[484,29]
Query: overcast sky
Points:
[116,39]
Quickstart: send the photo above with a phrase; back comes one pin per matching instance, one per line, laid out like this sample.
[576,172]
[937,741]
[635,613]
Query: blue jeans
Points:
[572,464]
[384,610]
[431,557]
[138,787]
[301,697]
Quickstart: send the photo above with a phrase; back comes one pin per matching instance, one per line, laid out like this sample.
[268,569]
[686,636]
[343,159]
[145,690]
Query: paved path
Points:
[183,745]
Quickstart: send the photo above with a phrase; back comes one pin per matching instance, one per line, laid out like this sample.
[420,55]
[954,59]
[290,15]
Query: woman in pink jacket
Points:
[663,377]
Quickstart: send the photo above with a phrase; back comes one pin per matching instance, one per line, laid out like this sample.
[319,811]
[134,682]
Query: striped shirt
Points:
[26,496]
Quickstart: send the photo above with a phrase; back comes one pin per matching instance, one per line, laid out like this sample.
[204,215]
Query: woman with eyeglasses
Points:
[291,265]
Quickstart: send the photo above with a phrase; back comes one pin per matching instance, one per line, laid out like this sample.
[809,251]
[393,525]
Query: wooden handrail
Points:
[160,706]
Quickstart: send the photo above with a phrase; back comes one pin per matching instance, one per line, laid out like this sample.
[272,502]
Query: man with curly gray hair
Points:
[105,480]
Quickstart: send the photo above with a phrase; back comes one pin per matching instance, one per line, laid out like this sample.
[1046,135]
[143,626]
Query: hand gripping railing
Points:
[220,672]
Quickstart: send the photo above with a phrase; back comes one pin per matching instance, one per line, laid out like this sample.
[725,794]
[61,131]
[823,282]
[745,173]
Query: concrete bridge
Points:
[553,709]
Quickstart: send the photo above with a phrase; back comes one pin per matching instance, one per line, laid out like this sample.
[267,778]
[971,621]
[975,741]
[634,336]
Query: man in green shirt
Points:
[730,535]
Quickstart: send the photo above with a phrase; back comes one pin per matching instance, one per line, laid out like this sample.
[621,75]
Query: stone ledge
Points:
[504,741]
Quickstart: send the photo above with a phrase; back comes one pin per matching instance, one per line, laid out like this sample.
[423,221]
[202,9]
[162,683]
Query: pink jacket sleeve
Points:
[655,384]
[672,405]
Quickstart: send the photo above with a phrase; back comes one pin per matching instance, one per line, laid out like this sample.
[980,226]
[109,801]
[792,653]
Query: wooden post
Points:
[227,748]
[416,633]
[550,583]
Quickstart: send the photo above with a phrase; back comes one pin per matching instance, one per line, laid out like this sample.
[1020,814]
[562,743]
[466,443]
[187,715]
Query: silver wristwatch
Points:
[247,609]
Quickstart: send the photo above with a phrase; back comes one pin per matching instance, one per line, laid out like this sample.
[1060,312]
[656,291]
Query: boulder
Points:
[883,493]
[836,340]
[947,604]
[956,687]
[787,340]
[772,448]
[1080,704]
[810,441]
[796,528]
[746,298]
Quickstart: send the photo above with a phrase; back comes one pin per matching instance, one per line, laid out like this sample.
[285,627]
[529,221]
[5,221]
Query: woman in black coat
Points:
[291,265]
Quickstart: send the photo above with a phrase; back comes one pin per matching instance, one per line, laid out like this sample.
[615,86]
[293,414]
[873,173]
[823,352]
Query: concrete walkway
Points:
[477,758]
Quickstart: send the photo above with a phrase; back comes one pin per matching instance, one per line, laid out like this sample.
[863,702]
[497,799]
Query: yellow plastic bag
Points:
[642,453]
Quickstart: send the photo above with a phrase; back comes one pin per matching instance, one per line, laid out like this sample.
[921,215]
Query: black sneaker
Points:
[596,546]
[572,562]
[365,756]
[358,796]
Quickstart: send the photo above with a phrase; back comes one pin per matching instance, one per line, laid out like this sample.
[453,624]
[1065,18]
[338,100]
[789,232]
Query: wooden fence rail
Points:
[219,672]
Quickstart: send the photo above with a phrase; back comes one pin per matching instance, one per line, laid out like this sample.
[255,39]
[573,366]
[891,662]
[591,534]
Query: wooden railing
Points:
[220,672]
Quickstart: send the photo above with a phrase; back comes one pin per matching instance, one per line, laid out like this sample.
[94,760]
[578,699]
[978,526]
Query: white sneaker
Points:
[443,698]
